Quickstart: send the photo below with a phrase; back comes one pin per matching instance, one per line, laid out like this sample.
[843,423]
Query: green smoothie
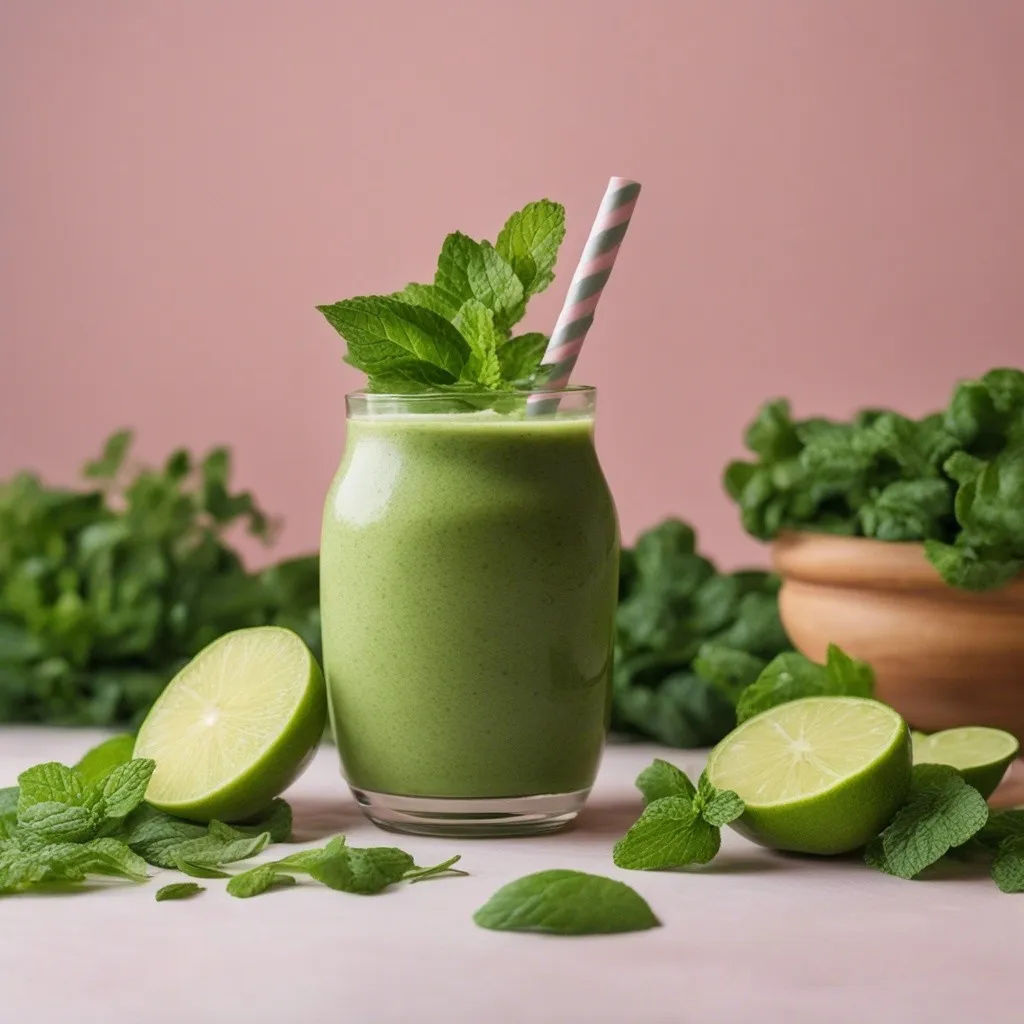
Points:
[469,576]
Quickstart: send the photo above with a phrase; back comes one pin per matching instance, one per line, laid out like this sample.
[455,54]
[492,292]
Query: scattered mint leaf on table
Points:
[99,761]
[198,870]
[221,844]
[179,891]
[941,813]
[446,867]
[562,902]
[258,880]
[155,836]
[1008,866]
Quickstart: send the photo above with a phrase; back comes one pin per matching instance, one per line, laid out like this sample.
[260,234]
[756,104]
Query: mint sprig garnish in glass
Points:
[469,560]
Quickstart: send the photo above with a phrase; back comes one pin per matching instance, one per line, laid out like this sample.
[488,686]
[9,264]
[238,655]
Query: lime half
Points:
[980,754]
[235,726]
[819,775]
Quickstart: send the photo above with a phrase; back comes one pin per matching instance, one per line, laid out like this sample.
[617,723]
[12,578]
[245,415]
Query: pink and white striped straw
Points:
[587,286]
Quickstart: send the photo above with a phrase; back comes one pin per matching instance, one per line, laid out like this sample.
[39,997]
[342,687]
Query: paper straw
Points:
[587,286]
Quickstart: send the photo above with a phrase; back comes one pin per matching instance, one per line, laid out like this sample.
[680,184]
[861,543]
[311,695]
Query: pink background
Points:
[832,210]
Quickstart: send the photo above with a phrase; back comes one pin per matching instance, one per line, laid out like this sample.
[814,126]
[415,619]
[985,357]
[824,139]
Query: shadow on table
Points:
[317,819]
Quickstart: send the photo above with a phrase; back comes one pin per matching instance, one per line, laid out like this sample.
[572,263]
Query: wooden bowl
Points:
[943,657]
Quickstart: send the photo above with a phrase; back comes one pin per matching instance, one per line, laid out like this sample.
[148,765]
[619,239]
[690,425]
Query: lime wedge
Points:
[235,726]
[980,754]
[818,775]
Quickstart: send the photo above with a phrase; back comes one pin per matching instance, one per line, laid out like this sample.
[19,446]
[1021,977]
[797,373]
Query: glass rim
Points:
[433,396]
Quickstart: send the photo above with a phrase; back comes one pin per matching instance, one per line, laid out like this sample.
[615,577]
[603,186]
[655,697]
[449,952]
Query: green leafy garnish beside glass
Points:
[456,333]
[954,479]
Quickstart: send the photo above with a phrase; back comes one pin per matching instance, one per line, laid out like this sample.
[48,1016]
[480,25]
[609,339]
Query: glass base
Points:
[468,818]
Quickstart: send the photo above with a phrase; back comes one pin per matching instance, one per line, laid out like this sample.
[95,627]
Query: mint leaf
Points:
[529,242]
[729,671]
[1008,866]
[660,779]
[385,335]
[221,845]
[373,869]
[124,787]
[276,819]
[519,359]
[717,806]
[258,880]
[669,834]
[476,324]
[561,902]
[73,861]
[99,761]
[429,296]
[179,891]
[18,869]
[846,676]
[787,677]
[446,867]
[475,270]
[198,870]
[942,812]
[1001,825]
[50,783]
[155,836]
[8,811]
[52,822]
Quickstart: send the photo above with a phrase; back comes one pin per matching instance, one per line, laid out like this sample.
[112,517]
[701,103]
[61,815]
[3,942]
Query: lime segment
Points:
[819,775]
[980,754]
[235,726]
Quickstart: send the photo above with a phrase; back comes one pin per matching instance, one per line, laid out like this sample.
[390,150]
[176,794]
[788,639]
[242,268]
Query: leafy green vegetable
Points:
[791,676]
[954,479]
[689,639]
[677,830]
[941,813]
[179,891]
[454,334]
[105,593]
[221,844]
[446,867]
[258,880]
[1008,866]
[661,779]
[561,902]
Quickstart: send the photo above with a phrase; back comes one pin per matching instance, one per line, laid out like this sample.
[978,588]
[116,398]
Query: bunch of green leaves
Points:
[954,479]
[688,639]
[681,824]
[455,334]
[106,592]
[64,824]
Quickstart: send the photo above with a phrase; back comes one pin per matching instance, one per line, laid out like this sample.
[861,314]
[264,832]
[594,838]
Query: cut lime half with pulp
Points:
[818,775]
[980,754]
[235,726]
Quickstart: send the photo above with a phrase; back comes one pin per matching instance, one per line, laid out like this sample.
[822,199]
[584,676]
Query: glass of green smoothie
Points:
[469,568]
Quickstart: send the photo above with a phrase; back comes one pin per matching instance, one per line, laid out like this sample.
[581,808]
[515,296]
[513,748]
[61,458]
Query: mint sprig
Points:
[942,813]
[455,334]
[680,828]
[179,891]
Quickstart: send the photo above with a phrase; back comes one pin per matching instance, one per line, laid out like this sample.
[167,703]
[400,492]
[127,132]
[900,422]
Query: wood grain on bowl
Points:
[943,657]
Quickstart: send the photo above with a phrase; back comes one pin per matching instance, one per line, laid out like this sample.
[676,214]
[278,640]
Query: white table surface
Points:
[753,937]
